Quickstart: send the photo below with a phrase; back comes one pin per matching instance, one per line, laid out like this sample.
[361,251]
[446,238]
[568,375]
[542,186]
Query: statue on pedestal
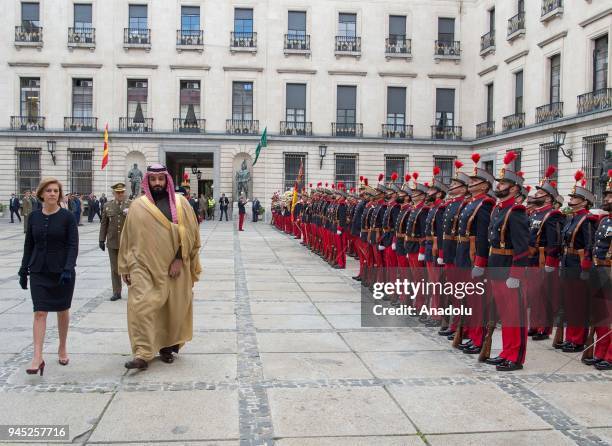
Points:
[135,177]
[243,176]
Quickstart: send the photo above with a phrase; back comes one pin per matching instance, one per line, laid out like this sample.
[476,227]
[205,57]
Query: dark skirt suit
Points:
[51,248]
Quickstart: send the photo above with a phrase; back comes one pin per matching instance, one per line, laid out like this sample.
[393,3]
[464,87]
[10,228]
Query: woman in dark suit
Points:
[49,258]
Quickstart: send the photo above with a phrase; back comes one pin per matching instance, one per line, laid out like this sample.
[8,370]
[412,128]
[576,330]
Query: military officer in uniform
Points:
[113,218]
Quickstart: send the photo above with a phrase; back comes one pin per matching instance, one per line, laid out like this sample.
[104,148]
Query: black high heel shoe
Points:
[41,369]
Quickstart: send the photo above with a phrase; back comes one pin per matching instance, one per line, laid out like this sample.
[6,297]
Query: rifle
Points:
[588,352]
[485,351]
[458,334]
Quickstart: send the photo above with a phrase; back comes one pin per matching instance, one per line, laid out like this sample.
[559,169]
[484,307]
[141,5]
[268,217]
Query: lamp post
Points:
[51,150]
[559,142]
[322,153]
[194,169]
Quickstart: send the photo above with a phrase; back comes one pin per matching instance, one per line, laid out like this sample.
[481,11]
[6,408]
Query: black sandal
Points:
[165,354]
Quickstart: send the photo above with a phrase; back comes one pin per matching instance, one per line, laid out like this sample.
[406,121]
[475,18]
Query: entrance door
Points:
[205,187]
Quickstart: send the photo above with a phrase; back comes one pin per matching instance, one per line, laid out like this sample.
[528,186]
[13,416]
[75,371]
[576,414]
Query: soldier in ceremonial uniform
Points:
[366,225]
[401,222]
[376,229]
[508,255]
[341,227]
[389,219]
[113,218]
[356,222]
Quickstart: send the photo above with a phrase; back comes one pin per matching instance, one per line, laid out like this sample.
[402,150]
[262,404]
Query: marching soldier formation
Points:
[478,226]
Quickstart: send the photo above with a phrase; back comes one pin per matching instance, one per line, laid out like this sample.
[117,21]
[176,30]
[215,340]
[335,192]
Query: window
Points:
[81,173]
[137,97]
[517,164]
[396,106]
[445,107]
[446,30]
[297,24]
[296,103]
[82,98]
[190,18]
[593,161]
[28,169]
[549,156]
[138,17]
[242,101]
[521,6]
[489,166]
[600,64]
[490,103]
[492,20]
[29,103]
[82,16]
[518,92]
[347,25]
[292,168]
[346,112]
[190,101]
[555,79]
[30,15]
[397,28]
[346,170]
[446,165]
[243,21]
[395,164]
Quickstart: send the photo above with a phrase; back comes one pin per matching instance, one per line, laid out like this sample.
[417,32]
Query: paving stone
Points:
[283,308]
[94,342]
[289,321]
[214,321]
[188,367]
[414,364]
[336,365]
[402,440]
[339,308]
[8,305]
[342,296]
[15,341]
[406,340]
[211,343]
[300,342]
[524,438]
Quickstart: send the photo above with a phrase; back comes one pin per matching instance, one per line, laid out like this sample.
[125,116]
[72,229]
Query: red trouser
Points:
[418,272]
[379,263]
[603,344]
[340,244]
[240,221]
[450,272]
[362,253]
[512,310]
[296,230]
[434,272]
[390,264]
[575,306]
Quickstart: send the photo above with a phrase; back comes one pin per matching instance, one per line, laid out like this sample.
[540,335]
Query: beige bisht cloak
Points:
[159,308]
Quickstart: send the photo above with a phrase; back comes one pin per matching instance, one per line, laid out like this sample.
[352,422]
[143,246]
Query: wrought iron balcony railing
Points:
[243,40]
[136,36]
[397,131]
[186,125]
[144,125]
[595,101]
[28,123]
[297,42]
[549,112]
[242,127]
[80,124]
[447,48]
[398,45]
[485,129]
[513,122]
[516,24]
[292,128]
[347,129]
[487,41]
[549,6]
[189,37]
[28,34]
[81,36]
[448,132]
[348,44]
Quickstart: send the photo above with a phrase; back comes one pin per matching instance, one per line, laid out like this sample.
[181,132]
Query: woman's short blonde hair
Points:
[45,183]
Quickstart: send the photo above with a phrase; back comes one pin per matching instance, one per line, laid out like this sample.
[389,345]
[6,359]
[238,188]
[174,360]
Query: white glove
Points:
[440,261]
[549,269]
[421,257]
[512,282]
[584,275]
[477,271]
[393,246]
[381,248]
[339,232]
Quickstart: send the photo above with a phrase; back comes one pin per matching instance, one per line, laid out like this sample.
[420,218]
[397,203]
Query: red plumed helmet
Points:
[340,185]
[528,188]
[333,186]
[553,184]
[436,170]
[579,175]
[583,182]
[365,181]
[458,164]
[407,177]
[415,175]
[186,176]
[475,157]
[352,190]
[426,184]
[319,184]
[394,176]
[360,177]
[310,185]
[510,156]
[610,173]
[520,173]
[380,177]
[326,184]
[550,171]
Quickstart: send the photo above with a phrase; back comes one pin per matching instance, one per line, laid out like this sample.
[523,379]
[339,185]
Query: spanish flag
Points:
[105,153]
[296,186]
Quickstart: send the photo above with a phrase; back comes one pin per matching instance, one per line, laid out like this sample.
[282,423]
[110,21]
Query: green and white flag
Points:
[263,142]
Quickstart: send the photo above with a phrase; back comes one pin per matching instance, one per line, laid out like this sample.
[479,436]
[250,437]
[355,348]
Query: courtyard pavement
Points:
[279,357]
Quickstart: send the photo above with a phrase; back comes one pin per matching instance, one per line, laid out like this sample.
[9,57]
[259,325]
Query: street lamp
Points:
[51,150]
[194,169]
[322,153]
[559,142]
[199,174]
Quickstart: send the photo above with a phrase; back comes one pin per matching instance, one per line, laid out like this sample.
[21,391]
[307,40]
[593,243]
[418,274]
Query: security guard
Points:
[113,218]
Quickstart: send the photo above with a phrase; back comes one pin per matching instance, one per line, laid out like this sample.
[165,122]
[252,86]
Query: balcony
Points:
[598,100]
[143,125]
[137,38]
[398,48]
[516,26]
[292,128]
[551,9]
[28,36]
[447,50]
[347,129]
[513,122]
[549,112]
[80,124]
[241,127]
[447,132]
[189,40]
[348,46]
[297,44]
[186,125]
[397,131]
[243,42]
[28,123]
[82,38]
[485,129]
[487,43]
